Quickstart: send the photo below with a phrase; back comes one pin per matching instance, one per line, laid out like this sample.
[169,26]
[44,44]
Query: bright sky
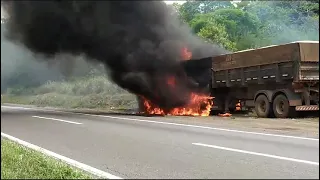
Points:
[171,2]
[181,2]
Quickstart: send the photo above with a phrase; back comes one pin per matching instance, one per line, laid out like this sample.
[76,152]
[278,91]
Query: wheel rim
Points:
[263,106]
[280,107]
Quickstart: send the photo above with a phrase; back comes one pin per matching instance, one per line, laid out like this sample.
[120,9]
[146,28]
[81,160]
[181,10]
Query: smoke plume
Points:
[22,69]
[139,42]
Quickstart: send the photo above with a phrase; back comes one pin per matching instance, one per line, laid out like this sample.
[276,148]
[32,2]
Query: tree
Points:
[239,24]
[200,21]
[190,9]
[286,21]
[215,33]
[177,8]
[252,24]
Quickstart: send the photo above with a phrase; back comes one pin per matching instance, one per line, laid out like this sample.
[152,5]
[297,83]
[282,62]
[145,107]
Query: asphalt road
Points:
[156,147]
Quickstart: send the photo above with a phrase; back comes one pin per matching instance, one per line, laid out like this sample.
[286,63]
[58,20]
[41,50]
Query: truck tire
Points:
[262,106]
[281,107]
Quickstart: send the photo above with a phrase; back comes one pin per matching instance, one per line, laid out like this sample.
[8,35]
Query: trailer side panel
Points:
[262,56]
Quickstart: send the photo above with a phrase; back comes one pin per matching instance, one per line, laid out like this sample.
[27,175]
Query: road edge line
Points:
[67,160]
[257,154]
[56,119]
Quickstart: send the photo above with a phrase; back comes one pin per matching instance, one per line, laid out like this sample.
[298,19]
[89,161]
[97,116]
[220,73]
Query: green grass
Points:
[91,92]
[19,162]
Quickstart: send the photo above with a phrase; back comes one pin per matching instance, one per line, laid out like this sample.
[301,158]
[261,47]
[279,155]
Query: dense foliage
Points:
[251,24]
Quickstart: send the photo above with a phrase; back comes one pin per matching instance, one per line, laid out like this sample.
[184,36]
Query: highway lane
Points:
[141,147]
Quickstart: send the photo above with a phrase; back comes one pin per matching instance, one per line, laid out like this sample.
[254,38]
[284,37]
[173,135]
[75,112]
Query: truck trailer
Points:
[277,81]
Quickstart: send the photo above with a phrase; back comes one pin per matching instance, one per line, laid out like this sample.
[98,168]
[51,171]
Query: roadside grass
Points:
[19,162]
[95,92]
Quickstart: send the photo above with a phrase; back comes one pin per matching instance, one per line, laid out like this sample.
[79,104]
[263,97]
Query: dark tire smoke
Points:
[138,41]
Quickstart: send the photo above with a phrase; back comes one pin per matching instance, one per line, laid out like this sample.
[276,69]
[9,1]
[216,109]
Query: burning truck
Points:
[275,81]
[141,44]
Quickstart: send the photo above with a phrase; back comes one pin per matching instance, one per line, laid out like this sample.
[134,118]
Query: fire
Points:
[199,105]
[186,54]
[171,81]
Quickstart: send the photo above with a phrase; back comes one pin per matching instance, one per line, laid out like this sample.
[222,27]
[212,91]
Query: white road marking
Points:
[15,107]
[54,119]
[258,154]
[69,161]
[204,127]
[175,124]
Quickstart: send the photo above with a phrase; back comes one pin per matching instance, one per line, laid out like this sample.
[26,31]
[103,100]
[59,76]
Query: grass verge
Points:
[19,162]
[91,92]
[92,101]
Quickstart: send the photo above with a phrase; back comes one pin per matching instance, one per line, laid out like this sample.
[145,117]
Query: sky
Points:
[171,2]
[181,2]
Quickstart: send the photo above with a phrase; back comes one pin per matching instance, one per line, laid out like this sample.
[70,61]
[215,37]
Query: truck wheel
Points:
[262,106]
[281,107]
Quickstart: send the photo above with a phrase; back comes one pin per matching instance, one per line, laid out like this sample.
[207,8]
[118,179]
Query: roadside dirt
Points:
[307,127]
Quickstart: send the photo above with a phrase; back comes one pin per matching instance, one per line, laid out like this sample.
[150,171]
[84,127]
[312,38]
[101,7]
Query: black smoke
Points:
[138,41]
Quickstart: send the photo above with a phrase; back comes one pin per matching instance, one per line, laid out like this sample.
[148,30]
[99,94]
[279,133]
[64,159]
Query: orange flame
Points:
[199,105]
[186,54]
